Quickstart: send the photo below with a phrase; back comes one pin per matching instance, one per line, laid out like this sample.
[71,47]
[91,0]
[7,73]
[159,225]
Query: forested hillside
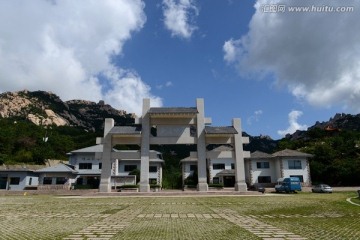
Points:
[24,142]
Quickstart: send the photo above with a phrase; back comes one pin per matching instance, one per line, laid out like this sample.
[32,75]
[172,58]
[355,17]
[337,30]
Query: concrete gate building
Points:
[174,125]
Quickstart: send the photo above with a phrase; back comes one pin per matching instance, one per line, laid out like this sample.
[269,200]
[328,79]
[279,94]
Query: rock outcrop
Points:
[46,108]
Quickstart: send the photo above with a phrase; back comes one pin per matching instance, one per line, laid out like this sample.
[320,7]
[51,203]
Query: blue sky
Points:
[278,71]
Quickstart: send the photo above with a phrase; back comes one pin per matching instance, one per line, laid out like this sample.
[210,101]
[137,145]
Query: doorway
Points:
[229,181]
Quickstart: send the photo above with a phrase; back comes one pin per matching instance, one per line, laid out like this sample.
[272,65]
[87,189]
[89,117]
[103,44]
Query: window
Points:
[298,176]
[294,164]
[85,165]
[100,165]
[129,168]
[47,180]
[218,166]
[193,168]
[233,166]
[192,131]
[152,168]
[30,181]
[14,181]
[60,180]
[262,164]
[216,180]
[264,179]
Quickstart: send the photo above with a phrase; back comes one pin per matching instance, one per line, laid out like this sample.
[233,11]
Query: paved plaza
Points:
[180,217]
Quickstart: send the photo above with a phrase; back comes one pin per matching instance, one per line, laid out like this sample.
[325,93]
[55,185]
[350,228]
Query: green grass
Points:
[312,216]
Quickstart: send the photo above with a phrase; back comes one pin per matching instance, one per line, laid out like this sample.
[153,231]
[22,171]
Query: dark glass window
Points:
[14,181]
[85,165]
[294,164]
[218,166]
[152,169]
[60,180]
[193,167]
[47,180]
[129,168]
[262,164]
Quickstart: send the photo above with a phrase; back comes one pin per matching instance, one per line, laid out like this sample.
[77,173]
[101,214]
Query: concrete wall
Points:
[263,172]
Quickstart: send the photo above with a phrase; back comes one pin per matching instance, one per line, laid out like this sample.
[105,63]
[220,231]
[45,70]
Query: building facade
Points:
[88,164]
[265,169]
[261,169]
[178,125]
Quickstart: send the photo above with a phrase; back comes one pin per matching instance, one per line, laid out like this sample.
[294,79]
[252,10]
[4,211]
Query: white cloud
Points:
[231,50]
[167,84]
[63,47]
[316,55]
[293,124]
[179,17]
[255,117]
[128,90]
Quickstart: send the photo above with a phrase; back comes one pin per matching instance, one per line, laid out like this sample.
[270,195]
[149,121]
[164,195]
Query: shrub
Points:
[216,185]
[129,186]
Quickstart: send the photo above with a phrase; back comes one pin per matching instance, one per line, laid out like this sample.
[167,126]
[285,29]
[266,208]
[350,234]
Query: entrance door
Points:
[3,181]
[229,181]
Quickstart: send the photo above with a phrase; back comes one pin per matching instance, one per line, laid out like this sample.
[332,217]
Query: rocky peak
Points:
[46,108]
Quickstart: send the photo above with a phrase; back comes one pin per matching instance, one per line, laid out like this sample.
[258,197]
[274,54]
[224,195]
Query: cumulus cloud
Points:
[64,47]
[125,89]
[255,117]
[315,54]
[179,17]
[231,50]
[293,123]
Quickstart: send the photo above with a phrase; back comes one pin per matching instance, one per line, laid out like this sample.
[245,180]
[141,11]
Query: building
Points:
[19,177]
[87,163]
[173,125]
[261,169]
[60,176]
[265,169]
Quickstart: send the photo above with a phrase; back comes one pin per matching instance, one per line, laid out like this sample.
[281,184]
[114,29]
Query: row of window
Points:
[292,164]
[219,166]
[127,168]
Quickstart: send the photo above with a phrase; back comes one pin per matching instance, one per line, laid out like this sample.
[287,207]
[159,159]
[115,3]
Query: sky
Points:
[278,68]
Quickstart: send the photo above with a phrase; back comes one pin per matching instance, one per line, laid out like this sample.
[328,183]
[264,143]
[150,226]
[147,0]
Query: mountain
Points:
[46,108]
[261,143]
[340,122]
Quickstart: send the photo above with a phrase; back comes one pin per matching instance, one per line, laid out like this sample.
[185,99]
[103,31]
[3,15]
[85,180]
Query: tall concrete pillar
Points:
[240,184]
[105,181]
[145,147]
[201,145]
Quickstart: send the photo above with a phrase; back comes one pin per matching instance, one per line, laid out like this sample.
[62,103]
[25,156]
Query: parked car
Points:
[321,188]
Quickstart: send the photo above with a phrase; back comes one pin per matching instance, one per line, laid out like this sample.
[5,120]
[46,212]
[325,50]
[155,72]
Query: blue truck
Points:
[288,185]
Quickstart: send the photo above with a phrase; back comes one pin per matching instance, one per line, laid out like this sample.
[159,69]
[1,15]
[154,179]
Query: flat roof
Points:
[220,130]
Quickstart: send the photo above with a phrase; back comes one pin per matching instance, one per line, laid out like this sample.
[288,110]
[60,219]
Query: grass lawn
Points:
[282,216]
